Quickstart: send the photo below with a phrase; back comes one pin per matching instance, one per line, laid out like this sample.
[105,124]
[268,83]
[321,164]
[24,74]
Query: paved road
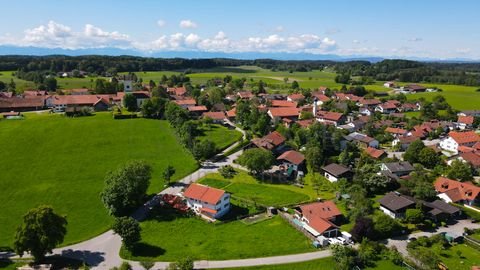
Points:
[401,244]
[102,252]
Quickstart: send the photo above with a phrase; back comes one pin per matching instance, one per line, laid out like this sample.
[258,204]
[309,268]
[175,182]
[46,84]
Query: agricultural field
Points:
[244,186]
[63,83]
[60,161]
[167,236]
[459,96]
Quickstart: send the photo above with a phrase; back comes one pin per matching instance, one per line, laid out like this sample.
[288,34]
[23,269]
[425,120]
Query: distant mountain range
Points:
[14,50]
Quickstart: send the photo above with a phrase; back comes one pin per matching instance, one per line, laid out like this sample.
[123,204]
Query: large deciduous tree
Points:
[130,102]
[126,187]
[460,170]
[257,160]
[129,230]
[42,230]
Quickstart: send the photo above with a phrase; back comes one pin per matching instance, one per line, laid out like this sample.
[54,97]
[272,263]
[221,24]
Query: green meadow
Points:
[60,161]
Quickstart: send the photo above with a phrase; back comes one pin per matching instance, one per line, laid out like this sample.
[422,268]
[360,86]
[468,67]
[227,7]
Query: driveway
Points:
[401,242]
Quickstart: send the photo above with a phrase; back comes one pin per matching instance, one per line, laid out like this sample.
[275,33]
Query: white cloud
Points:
[279,28]
[161,23]
[415,39]
[356,41]
[187,24]
[51,34]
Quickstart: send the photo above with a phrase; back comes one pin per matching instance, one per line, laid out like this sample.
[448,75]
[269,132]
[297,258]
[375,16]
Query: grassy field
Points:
[221,136]
[51,159]
[320,264]
[63,83]
[246,187]
[468,258]
[169,237]
[460,97]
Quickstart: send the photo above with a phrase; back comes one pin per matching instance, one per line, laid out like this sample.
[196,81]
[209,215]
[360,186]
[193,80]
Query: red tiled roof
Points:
[293,157]
[388,105]
[187,102]
[374,153]
[319,215]
[296,96]
[457,190]
[472,158]
[320,96]
[332,116]
[269,141]
[204,193]
[305,123]
[197,108]
[468,120]
[464,137]
[284,112]
[29,93]
[398,131]
[465,149]
[79,99]
[232,112]
[326,210]
[214,115]
[245,94]
[18,102]
[283,103]
[177,91]
[320,225]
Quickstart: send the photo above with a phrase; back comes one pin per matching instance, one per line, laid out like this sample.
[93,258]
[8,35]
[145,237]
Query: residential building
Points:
[452,191]
[280,113]
[464,122]
[395,204]
[361,140]
[399,169]
[292,160]
[375,153]
[334,118]
[207,201]
[319,218]
[456,139]
[217,117]
[274,142]
[333,172]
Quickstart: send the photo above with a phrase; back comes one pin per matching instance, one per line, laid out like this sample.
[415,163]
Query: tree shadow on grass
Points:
[147,250]
[165,213]
[236,212]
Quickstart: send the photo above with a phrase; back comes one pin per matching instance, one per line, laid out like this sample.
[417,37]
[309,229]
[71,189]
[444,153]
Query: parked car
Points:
[342,240]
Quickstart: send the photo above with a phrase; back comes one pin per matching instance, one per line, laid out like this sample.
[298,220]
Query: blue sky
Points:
[408,28]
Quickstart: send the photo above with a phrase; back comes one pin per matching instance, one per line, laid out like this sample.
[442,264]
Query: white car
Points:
[333,241]
[341,240]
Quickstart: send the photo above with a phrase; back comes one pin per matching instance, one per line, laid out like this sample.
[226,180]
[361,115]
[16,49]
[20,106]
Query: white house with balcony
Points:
[207,201]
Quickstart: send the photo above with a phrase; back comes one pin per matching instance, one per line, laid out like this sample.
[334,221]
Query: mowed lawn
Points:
[62,162]
[169,237]
[246,187]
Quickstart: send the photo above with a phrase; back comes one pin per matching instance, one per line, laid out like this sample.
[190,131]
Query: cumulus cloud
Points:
[279,28]
[188,24]
[356,41]
[161,23]
[57,35]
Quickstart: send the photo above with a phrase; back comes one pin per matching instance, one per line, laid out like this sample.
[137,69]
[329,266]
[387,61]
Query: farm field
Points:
[244,186]
[459,96]
[59,161]
[167,236]
[63,83]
